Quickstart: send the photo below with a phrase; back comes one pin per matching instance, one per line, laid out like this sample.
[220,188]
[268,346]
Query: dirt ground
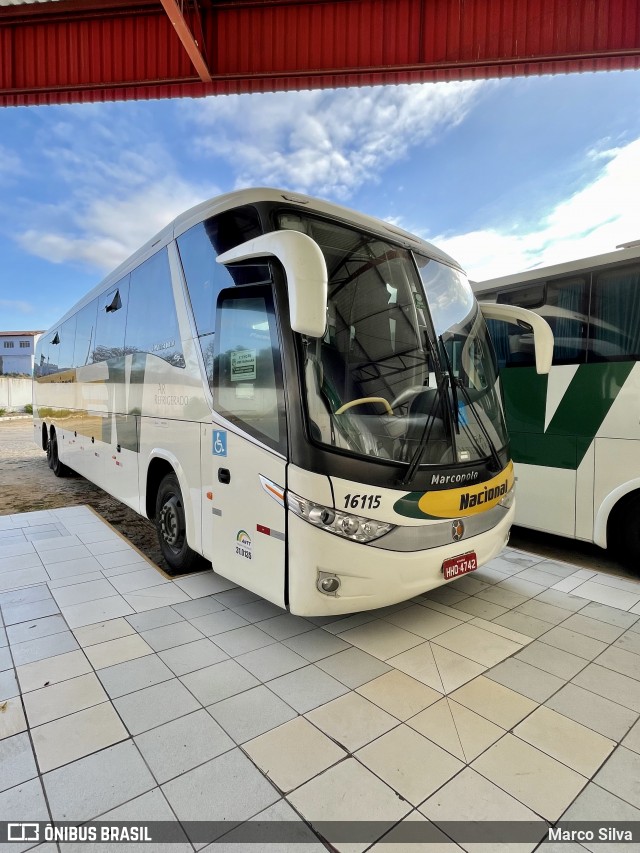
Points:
[27,484]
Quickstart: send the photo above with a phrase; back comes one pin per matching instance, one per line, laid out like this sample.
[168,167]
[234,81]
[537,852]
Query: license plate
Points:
[461,565]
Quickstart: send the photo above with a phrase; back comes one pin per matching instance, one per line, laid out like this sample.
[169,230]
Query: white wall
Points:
[14,393]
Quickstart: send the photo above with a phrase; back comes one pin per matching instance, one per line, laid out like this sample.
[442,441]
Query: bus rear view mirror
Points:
[305,270]
[542,334]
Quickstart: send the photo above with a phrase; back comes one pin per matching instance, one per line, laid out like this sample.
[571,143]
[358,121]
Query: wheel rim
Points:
[172,523]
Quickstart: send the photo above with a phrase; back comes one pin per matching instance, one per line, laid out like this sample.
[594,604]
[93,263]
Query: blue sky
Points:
[504,174]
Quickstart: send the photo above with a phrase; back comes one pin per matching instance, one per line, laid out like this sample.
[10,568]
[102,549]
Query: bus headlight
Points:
[349,526]
[507,500]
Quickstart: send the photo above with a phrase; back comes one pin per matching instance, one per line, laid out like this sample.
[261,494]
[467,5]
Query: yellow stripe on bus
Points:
[470,500]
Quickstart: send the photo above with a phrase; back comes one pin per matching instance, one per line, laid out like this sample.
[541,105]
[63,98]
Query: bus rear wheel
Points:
[58,467]
[624,532]
[172,529]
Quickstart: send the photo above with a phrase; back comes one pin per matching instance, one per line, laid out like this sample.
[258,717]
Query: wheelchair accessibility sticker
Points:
[219,442]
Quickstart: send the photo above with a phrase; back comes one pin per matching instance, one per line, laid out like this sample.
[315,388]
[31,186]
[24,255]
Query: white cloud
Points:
[119,184]
[327,143]
[104,230]
[594,219]
[116,191]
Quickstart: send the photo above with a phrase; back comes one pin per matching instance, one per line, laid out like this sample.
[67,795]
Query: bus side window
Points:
[513,347]
[43,350]
[111,322]
[247,387]
[563,304]
[615,316]
[152,322]
[85,334]
[200,246]
[67,343]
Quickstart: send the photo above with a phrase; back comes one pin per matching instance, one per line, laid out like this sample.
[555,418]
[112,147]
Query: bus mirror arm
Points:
[542,334]
[306,273]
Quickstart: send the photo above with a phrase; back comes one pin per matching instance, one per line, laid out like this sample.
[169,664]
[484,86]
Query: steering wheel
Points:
[361,400]
[407,395]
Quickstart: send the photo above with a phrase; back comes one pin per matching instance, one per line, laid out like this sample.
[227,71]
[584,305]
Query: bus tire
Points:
[50,450]
[58,467]
[623,537]
[171,527]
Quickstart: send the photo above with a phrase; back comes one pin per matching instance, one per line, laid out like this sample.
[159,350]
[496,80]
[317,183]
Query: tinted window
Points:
[199,248]
[531,296]
[512,350]
[615,315]
[43,363]
[152,323]
[112,320]
[67,336]
[563,304]
[248,374]
[85,334]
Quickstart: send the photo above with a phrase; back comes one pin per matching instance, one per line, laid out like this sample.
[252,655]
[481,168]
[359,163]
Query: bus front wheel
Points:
[624,532]
[171,527]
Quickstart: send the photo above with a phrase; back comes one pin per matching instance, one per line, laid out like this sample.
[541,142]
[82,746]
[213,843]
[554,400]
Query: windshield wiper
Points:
[455,384]
[444,382]
[454,393]
[426,432]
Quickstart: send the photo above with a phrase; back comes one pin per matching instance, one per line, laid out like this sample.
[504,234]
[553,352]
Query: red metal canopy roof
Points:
[105,50]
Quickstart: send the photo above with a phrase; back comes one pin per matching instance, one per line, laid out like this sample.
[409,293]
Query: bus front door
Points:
[249,461]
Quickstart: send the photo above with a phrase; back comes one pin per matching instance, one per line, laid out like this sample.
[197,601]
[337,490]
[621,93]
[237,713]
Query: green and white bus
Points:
[575,432]
[305,396]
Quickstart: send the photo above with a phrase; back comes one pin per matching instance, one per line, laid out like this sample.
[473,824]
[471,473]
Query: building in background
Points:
[17,350]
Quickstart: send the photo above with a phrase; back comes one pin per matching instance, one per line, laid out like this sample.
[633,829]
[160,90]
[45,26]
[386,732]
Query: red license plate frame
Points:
[455,567]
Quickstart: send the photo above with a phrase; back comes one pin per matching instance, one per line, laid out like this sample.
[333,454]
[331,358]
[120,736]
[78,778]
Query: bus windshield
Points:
[405,366]
[466,354]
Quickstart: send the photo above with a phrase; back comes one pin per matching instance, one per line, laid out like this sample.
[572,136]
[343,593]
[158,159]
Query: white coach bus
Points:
[303,395]
[574,432]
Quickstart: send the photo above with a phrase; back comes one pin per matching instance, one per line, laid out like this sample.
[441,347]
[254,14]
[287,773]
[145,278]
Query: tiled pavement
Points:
[513,693]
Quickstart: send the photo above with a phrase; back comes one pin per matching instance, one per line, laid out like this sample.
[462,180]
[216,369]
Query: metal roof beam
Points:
[105,50]
[187,38]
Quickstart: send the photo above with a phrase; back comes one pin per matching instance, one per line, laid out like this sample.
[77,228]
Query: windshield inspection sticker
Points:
[243,365]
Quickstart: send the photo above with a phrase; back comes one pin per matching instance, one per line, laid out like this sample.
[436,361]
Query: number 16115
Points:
[362,501]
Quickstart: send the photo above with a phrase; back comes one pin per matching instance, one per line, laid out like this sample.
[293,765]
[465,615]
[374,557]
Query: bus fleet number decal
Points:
[362,501]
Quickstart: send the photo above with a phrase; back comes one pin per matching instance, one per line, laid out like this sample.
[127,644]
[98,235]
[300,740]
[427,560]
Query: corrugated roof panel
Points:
[92,52]
[24,2]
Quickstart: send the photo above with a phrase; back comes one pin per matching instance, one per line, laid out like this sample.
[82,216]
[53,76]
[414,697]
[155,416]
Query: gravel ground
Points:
[27,484]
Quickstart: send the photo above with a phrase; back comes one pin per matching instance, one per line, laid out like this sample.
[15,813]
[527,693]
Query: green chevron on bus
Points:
[575,431]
